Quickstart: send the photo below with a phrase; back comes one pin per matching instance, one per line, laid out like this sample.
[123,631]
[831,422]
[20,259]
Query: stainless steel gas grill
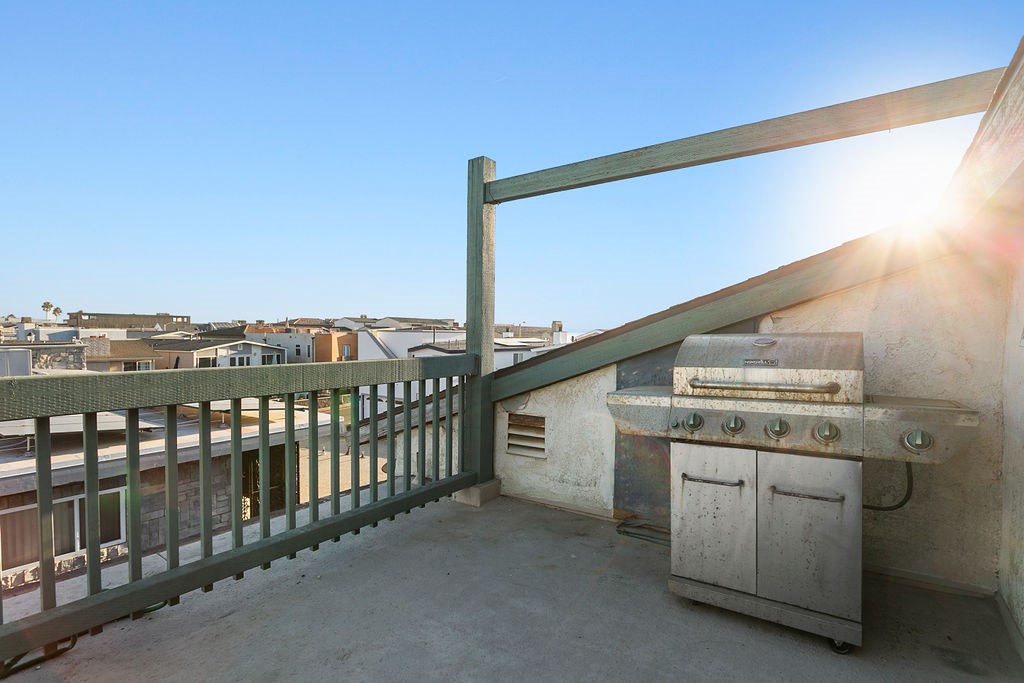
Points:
[768,437]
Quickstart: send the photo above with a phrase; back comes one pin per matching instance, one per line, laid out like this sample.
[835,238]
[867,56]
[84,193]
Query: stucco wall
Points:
[579,468]
[1011,565]
[936,332]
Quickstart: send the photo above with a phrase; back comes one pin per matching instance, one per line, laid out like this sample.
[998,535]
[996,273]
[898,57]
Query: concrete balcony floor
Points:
[515,591]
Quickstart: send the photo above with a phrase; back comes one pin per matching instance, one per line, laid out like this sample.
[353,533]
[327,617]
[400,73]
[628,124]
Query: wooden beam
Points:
[943,99]
[479,445]
[28,397]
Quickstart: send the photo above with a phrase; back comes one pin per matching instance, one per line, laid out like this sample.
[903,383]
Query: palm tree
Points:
[47,307]
[56,312]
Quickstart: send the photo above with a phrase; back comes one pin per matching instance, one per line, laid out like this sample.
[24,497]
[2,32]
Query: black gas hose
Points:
[903,501]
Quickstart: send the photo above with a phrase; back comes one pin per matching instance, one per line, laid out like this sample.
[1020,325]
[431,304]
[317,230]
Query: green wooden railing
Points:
[386,495]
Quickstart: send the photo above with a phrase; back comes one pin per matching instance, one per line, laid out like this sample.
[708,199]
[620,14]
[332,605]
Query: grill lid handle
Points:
[827,388]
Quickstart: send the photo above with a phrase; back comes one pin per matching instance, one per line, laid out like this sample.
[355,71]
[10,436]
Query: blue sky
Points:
[262,160]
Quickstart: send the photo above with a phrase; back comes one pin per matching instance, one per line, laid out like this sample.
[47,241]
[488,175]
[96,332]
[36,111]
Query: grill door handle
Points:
[827,388]
[809,496]
[716,482]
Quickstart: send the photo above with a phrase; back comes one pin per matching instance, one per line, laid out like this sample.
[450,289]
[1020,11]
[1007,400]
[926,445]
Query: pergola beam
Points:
[932,102]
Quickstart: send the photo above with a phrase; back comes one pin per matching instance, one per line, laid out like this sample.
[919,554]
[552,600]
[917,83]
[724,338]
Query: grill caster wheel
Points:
[840,647]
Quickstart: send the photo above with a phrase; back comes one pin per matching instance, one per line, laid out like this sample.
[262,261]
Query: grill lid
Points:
[807,366]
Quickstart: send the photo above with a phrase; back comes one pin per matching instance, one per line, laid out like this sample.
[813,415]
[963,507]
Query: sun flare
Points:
[899,181]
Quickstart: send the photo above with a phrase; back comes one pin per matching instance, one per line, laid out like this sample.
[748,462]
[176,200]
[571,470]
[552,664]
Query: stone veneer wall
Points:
[59,357]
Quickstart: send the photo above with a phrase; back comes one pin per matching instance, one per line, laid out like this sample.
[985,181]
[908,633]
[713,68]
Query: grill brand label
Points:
[761,362]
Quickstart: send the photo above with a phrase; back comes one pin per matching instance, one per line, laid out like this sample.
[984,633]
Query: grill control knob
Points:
[693,422]
[777,428]
[733,424]
[826,432]
[918,441]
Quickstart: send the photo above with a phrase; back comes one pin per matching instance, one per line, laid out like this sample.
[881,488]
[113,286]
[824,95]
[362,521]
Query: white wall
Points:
[578,471]
[935,332]
[288,341]
[1011,564]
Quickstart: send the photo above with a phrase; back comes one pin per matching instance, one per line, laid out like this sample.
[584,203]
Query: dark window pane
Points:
[64,528]
[19,538]
[110,517]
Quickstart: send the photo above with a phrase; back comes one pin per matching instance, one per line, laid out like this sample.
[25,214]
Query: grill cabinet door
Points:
[809,532]
[714,515]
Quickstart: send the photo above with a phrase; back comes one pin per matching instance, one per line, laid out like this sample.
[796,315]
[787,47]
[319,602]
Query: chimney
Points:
[556,325]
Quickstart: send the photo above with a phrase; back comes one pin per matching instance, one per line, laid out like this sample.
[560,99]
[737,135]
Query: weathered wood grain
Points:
[29,397]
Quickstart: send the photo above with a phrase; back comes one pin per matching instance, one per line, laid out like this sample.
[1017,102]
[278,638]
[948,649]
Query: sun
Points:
[898,180]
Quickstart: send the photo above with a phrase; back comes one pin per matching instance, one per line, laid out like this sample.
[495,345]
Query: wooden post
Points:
[479,447]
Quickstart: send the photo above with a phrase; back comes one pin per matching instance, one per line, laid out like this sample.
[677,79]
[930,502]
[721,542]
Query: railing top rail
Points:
[30,397]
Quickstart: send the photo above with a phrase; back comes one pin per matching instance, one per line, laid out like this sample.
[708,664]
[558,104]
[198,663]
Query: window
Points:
[208,362]
[526,435]
[298,351]
[346,351]
[133,365]
[270,359]
[19,528]
[145,365]
[231,361]
[309,351]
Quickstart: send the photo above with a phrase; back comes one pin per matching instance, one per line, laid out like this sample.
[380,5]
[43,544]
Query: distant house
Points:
[334,346]
[164,321]
[116,355]
[214,353]
[53,357]
[300,346]
[309,325]
[508,351]
[393,322]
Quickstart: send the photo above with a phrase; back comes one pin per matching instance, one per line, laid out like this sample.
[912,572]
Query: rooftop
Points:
[514,590]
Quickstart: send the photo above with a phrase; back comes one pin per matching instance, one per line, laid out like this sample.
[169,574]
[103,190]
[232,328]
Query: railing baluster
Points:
[171,488]
[448,426]
[421,433]
[205,485]
[133,483]
[391,438]
[236,476]
[264,465]
[353,448]
[435,432]
[290,466]
[336,454]
[313,437]
[390,441]
[335,451]
[462,424]
[373,443]
[90,437]
[44,493]
[90,441]
[407,435]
